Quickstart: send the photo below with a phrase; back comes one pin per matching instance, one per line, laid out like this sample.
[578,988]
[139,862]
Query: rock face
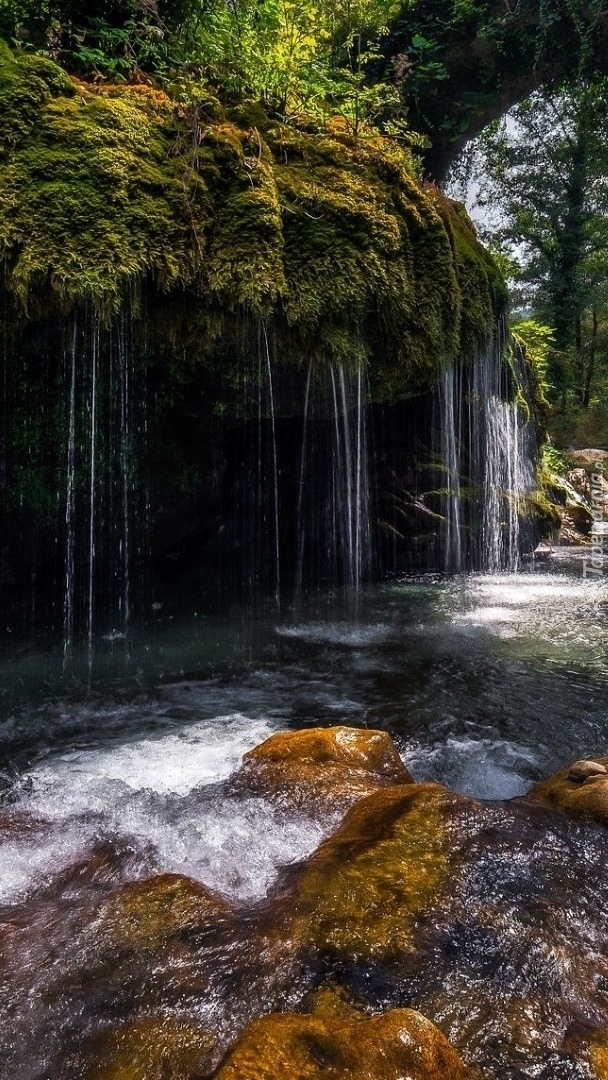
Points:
[256,219]
[399,1044]
[327,766]
[581,790]
[588,459]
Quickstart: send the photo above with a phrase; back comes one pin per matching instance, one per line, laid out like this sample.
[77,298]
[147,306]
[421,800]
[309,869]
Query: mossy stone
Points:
[145,914]
[105,190]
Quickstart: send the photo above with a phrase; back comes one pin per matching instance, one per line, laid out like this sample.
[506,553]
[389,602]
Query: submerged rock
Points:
[151,1049]
[390,1047]
[580,790]
[598,1057]
[334,1003]
[145,914]
[322,765]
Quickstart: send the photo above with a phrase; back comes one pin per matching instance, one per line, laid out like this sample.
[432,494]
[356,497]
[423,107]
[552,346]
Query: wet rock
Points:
[571,533]
[145,914]
[358,748]
[154,1048]
[578,517]
[364,891]
[581,790]
[390,1047]
[322,766]
[582,770]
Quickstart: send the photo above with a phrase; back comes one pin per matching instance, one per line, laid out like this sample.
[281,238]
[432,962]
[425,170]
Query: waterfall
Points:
[450,402]
[68,592]
[252,554]
[502,463]
[92,409]
[300,522]
[296,484]
[263,474]
[333,526]
[103,490]
[487,450]
[275,474]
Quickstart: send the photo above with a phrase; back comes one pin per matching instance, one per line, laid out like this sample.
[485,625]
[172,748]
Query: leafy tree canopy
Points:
[487,55]
[297,57]
[541,176]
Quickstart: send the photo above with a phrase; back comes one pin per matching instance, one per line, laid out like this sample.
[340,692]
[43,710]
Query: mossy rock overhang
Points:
[107,192]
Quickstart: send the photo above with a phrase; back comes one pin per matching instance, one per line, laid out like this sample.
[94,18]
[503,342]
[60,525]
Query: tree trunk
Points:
[591,363]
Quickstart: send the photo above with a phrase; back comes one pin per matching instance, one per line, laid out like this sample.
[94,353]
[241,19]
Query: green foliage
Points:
[488,56]
[294,56]
[552,460]
[538,340]
[123,39]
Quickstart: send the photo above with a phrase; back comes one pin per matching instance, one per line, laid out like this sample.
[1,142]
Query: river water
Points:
[486,682]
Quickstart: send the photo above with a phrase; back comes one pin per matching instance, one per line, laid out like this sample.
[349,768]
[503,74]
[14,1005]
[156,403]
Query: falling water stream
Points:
[486,462]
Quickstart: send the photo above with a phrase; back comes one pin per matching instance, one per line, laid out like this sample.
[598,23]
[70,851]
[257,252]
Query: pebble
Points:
[582,770]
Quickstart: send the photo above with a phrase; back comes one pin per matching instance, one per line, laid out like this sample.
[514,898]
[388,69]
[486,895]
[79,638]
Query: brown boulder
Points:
[399,1044]
[328,766]
[582,770]
[581,790]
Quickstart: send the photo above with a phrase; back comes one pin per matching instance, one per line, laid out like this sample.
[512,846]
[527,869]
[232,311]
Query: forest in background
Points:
[508,102]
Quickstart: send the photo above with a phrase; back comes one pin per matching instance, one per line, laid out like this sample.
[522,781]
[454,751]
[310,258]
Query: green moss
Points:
[336,242]
[26,85]
[89,200]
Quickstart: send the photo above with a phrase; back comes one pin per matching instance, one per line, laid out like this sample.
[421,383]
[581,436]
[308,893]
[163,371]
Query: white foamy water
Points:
[488,615]
[177,762]
[482,768]
[345,633]
[563,612]
[155,794]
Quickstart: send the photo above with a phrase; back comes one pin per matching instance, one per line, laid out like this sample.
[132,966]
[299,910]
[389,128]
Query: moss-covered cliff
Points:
[107,189]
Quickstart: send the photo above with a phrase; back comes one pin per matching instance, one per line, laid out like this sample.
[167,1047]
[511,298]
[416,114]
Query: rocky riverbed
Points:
[415,932]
